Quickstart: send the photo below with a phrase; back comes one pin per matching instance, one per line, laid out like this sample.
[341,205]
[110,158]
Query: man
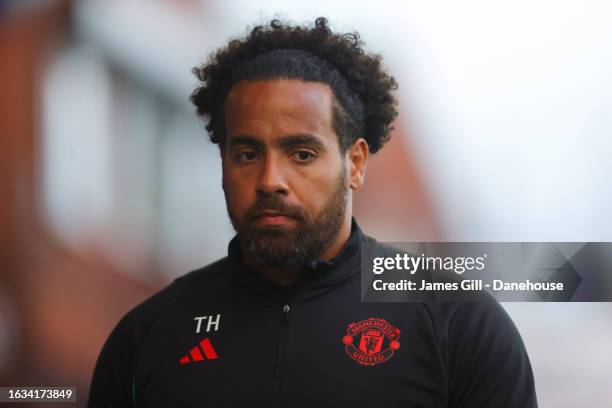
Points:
[279,322]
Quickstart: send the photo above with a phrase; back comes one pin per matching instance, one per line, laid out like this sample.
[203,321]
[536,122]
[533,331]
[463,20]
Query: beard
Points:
[290,246]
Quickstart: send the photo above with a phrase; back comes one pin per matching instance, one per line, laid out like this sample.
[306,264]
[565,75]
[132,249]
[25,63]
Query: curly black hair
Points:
[364,104]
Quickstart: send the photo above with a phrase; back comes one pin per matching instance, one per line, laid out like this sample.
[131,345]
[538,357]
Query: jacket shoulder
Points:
[207,276]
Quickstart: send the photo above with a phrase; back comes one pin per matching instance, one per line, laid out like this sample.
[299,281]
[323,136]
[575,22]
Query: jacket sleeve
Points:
[487,364]
[112,382]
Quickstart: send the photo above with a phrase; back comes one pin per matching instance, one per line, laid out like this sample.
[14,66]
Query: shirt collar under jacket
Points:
[315,275]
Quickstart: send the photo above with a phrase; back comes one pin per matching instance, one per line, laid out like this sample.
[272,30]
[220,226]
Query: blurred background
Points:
[109,187]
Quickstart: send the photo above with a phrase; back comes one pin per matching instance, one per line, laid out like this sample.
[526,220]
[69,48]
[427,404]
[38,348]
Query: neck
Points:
[286,277]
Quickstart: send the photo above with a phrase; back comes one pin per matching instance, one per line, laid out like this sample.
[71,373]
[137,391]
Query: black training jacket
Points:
[222,336]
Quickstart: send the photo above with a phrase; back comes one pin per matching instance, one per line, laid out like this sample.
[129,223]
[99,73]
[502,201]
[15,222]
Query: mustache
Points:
[274,203]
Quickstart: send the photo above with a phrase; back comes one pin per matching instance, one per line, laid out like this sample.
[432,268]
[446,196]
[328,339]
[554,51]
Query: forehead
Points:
[279,106]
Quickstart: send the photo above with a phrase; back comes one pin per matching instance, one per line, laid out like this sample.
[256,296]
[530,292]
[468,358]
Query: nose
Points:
[272,179]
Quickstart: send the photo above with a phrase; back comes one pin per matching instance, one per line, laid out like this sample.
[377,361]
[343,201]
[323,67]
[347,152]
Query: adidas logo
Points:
[195,354]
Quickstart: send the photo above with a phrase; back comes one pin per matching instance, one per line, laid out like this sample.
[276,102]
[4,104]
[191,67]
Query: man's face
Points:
[284,175]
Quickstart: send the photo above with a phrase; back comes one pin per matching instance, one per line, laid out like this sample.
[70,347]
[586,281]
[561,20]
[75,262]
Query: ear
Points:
[357,155]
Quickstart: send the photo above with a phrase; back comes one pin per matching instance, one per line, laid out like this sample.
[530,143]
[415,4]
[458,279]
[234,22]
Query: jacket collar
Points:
[315,275]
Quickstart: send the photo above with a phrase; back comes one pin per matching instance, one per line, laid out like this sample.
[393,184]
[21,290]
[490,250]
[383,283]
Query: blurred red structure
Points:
[61,305]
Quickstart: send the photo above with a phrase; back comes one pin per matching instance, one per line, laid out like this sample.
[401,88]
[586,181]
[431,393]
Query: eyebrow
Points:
[301,139]
[245,140]
[285,141]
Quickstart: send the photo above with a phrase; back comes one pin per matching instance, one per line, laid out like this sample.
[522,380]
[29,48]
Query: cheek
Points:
[238,192]
[315,189]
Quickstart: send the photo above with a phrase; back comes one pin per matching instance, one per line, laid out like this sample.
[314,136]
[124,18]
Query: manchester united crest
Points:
[371,341]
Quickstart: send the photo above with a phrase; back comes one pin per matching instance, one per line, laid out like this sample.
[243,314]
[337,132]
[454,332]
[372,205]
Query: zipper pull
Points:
[286,310]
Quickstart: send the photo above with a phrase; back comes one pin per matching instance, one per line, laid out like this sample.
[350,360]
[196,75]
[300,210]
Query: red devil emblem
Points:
[378,340]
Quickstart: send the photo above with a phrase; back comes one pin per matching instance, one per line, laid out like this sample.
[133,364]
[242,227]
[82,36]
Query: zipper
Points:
[282,345]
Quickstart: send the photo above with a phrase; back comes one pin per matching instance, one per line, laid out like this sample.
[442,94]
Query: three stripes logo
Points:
[195,354]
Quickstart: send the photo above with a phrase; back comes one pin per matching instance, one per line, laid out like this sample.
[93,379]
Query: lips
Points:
[271,214]
[273,218]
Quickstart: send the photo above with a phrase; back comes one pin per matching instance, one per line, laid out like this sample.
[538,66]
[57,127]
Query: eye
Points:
[303,155]
[246,157]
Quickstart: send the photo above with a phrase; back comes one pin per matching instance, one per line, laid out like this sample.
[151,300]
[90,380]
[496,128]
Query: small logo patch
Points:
[377,342]
[203,351]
